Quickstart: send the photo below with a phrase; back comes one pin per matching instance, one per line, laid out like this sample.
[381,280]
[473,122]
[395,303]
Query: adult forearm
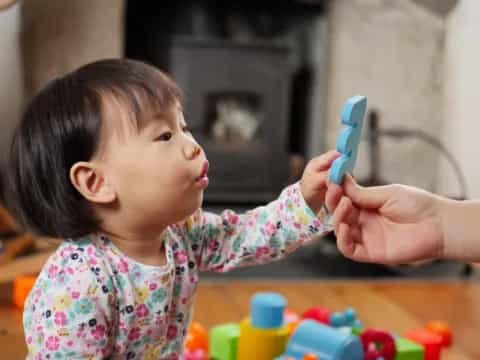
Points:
[460,221]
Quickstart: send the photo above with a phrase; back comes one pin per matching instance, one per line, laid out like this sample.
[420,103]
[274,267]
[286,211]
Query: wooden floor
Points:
[396,306]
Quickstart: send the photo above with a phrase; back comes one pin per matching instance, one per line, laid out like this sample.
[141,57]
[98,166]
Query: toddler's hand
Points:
[314,180]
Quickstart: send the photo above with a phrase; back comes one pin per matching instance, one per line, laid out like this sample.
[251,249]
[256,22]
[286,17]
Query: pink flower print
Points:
[75,294]
[142,310]
[52,271]
[52,343]
[233,218]
[180,256]
[270,228]
[152,286]
[261,251]
[134,333]
[29,340]
[172,332]
[92,261]
[213,244]
[70,343]
[60,318]
[98,332]
[123,266]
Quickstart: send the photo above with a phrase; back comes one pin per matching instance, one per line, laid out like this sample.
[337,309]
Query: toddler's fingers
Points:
[333,195]
[323,162]
[318,181]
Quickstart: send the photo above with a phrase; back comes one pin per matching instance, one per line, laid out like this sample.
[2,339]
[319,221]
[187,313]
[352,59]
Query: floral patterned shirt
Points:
[91,301]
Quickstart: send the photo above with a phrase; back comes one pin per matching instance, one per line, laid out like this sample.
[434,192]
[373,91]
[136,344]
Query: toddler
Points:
[103,158]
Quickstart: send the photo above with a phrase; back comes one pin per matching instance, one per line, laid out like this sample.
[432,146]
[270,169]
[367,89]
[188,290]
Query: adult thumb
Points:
[367,197]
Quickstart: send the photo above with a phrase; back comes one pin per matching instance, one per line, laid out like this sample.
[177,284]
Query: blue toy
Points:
[349,138]
[324,341]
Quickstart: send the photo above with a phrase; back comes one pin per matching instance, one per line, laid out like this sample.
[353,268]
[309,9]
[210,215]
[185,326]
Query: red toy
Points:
[371,337]
[441,328]
[319,314]
[431,341]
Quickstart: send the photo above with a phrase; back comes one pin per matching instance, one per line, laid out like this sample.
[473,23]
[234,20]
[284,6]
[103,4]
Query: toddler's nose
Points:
[191,151]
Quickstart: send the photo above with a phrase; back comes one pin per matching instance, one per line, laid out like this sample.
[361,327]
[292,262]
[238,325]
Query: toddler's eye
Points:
[164,137]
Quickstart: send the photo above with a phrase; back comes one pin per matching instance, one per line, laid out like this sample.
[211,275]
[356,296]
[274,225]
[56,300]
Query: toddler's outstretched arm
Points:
[223,242]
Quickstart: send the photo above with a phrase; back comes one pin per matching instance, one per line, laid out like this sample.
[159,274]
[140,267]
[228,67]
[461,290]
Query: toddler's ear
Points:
[90,181]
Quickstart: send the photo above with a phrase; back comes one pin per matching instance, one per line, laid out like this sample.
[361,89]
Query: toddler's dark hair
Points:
[61,126]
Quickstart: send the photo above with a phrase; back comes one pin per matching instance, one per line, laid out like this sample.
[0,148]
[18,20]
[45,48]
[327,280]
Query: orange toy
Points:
[197,337]
[441,328]
[310,356]
[21,287]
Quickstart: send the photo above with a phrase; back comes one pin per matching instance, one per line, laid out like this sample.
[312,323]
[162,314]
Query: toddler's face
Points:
[159,171]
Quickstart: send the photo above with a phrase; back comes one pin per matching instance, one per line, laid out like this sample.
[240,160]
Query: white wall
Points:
[11,93]
[462,96]
[392,52]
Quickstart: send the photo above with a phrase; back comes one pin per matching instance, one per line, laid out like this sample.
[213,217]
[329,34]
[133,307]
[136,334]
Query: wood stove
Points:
[236,104]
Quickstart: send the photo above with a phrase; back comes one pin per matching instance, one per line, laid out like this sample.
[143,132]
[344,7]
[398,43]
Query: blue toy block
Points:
[324,341]
[337,319]
[350,315]
[267,310]
[349,138]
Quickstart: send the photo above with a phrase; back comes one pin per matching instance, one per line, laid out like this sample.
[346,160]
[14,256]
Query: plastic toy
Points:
[441,328]
[432,342]
[224,341]
[378,344]
[291,320]
[327,343]
[321,335]
[22,285]
[337,319]
[197,337]
[408,350]
[347,142]
[264,335]
[197,354]
[319,314]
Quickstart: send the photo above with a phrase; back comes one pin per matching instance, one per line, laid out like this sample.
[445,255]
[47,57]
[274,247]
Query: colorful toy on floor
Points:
[197,337]
[348,317]
[323,334]
[263,336]
[327,343]
[441,328]
[291,320]
[197,354]
[347,142]
[224,341]
[318,313]
[22,284]
[431,342]
[377,344]
[408,350]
